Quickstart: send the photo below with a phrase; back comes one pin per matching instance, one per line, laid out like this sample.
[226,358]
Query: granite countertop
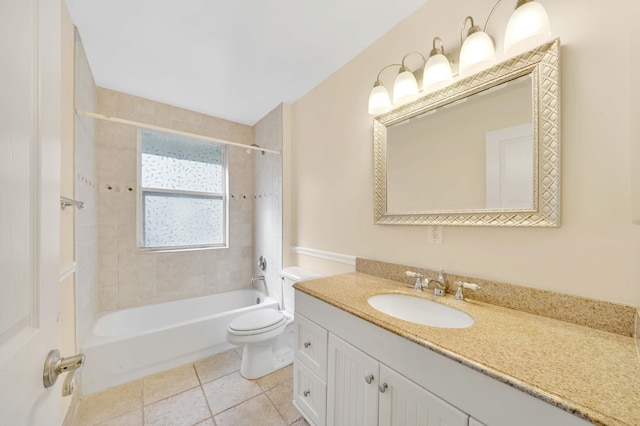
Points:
[594,374]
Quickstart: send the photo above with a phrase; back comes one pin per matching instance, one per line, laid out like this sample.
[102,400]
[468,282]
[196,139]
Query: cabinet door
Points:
[311,345]
[352,385]
[407,404]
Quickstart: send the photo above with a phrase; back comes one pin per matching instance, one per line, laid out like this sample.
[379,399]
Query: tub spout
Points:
[264,281]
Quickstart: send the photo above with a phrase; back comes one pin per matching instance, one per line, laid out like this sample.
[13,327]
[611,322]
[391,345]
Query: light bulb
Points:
[477,53]
[379,99]
[405,86]
[527,28]
[437,72]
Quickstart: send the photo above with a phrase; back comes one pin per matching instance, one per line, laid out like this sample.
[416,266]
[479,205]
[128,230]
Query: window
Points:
[183,185]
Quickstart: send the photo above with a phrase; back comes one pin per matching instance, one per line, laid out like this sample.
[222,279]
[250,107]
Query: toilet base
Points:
[260,360]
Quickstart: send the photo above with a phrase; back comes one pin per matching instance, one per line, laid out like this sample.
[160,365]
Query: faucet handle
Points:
[413,274]
[459,294]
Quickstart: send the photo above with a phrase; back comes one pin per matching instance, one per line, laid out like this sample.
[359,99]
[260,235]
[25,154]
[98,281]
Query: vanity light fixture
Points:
[528,27]
[406,85]
[477,51]
[437,70]
[379,99]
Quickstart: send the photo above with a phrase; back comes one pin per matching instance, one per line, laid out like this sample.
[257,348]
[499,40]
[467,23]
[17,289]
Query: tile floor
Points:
[209,392]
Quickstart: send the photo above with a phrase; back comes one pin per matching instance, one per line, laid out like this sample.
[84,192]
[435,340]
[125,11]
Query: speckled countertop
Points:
[592,373]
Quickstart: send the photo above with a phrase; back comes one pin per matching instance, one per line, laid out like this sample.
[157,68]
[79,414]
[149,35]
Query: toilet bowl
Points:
[266,335]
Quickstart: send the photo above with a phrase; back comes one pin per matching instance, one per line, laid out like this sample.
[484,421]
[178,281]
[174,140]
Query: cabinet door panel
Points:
[311,345]
[351,400]
[407,404]
[309,393]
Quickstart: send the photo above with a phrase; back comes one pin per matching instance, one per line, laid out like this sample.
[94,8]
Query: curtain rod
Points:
[173,131]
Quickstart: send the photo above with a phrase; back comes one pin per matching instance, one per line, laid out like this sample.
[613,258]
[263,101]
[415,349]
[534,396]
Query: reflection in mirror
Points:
[490,136]
[482,151]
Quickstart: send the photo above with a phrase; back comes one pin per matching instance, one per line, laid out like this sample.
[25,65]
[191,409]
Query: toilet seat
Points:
[257,322]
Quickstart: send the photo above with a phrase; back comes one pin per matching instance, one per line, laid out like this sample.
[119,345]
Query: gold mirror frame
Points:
[543,64]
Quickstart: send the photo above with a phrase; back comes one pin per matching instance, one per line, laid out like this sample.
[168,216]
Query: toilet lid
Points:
[256,320]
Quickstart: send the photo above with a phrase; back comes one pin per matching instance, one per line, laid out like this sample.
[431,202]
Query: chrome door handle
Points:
[55,365]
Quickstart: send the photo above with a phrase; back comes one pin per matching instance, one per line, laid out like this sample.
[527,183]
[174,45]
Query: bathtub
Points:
[131,343]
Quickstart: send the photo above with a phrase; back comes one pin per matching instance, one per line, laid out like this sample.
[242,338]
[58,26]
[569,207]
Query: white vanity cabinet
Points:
[362,391]
[342,364]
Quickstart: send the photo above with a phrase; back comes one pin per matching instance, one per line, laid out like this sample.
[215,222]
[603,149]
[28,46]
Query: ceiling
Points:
[235,60]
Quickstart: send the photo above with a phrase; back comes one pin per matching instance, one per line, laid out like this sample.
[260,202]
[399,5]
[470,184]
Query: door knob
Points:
[382,387]
[55,365]
[369,379]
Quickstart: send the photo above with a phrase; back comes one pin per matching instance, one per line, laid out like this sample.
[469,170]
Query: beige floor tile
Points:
[239,350]
[217,366]
[208,422]
[282,398]
[133,418]
[301,422]
[168,383]
[109,404]
[228,391]
[256,411]
[184,409]
[274,379]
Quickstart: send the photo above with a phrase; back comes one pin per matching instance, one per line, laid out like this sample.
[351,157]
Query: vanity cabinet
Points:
[342,364]
[362,391]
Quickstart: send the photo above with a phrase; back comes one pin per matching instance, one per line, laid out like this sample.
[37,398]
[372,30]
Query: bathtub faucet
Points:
[255,278]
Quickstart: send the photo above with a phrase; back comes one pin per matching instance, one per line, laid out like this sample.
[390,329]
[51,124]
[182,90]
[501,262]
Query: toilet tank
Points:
[290,276]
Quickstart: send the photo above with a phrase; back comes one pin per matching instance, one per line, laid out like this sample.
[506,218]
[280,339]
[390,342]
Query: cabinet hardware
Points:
[306,393]
[307,344]
[382,387]
[369,379]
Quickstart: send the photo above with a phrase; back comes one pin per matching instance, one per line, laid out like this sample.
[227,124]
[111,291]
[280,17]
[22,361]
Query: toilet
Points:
[266,335]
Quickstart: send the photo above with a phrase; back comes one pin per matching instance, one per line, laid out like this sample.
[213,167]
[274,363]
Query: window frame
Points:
[224,196]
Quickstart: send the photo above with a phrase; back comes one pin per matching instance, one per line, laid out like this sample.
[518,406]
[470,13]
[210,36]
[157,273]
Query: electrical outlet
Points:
[434,234]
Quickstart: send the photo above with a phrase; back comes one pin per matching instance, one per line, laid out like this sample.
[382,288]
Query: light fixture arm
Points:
[437,50]
[404,67]
[491,14]
[378,82]
[472,29]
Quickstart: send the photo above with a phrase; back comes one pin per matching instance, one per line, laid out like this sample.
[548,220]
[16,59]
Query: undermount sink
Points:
[420,311]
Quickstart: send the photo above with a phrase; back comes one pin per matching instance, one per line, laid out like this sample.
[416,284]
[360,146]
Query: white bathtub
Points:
[131,343]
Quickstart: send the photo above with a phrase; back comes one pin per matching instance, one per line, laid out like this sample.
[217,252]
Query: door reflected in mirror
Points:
[473,154]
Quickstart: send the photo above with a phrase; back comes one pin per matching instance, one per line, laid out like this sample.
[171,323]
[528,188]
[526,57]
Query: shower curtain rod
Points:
[173,131]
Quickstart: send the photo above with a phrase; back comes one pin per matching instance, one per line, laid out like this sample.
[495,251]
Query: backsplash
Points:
[598,314]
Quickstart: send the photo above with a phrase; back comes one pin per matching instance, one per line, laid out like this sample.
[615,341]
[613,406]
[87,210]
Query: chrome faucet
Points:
[440,288]
[255,278]
[418,276]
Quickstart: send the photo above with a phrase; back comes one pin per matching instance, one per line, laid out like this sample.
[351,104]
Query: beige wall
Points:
[127,278]
[595,253]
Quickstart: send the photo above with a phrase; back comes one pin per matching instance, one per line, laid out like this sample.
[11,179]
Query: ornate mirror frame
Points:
[543,64]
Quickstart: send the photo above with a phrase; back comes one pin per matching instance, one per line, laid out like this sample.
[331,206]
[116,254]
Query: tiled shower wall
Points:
[127,278]
[85,190]
[268,133]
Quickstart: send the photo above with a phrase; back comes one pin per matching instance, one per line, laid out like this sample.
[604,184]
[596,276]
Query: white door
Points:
[29,208]
[404,403]
[510,168]
[352,385]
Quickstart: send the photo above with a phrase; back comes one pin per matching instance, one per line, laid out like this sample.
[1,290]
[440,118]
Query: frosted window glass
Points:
[183,184]
[170,162]
[181,220]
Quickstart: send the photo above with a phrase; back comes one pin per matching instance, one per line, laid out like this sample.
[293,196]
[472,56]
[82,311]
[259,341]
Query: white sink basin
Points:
[420,311]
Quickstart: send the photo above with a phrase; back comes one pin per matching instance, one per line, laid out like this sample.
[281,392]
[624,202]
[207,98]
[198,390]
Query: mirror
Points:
[482,151]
